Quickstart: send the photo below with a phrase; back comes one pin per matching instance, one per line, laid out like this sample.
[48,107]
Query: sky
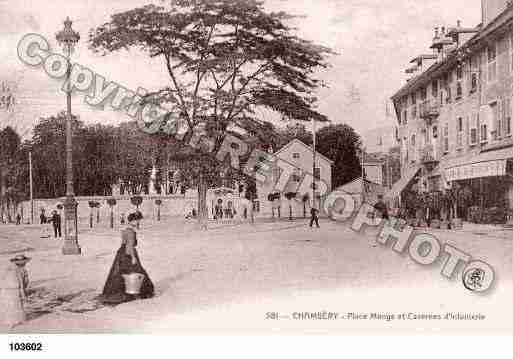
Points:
[374,41]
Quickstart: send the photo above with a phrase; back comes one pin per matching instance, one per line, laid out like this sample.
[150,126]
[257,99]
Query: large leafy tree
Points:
[10,143]
[133,155]
[340,143]
[94,159]
[224,58]
[295,131]
[48,155]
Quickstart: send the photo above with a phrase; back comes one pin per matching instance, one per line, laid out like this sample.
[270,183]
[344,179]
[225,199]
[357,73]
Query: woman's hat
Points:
[20,259]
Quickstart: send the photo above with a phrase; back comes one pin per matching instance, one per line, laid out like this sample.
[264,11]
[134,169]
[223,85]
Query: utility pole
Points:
[314,152]
[363,174]
[31,189]
[389,173]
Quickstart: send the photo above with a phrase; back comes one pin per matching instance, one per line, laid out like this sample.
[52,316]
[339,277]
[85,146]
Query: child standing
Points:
[14,292]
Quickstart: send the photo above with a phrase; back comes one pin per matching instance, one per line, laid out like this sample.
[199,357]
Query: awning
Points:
[485,164]
[400,185]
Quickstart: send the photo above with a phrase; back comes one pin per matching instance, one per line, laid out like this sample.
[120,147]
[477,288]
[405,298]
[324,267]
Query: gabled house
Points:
[300,156]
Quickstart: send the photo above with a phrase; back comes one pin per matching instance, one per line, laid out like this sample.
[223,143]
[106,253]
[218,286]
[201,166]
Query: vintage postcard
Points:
[256,167]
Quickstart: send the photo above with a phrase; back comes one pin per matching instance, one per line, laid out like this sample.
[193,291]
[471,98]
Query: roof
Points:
[475,43]
[423,57]
[296,141]
[355,186]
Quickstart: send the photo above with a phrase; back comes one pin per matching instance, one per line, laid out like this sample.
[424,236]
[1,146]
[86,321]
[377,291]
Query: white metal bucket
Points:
[133,283]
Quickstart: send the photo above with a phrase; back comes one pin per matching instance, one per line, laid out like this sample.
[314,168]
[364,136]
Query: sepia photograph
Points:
[255,167]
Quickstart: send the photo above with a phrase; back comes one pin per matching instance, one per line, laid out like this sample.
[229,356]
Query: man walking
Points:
[314,217]
[56,222]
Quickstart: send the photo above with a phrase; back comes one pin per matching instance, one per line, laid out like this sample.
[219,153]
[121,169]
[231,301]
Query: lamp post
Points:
[31,189]
[68,38]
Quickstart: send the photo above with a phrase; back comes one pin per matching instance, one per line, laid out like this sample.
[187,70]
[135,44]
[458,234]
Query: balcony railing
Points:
[428,154]
[429,110]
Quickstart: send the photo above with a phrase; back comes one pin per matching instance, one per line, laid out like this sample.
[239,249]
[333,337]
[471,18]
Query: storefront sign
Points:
[476,170]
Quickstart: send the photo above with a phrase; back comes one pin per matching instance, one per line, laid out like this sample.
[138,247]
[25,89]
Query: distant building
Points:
[375,171]
[380,140]
[358,191]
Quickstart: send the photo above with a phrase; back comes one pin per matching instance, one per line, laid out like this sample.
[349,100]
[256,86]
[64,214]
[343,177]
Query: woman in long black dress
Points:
[126,261]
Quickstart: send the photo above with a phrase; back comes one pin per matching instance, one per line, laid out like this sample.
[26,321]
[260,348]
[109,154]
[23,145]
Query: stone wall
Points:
[172,206]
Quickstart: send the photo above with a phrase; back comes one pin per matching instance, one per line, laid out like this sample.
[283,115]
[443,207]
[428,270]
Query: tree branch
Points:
[178,90]
[200,73]
[236,96]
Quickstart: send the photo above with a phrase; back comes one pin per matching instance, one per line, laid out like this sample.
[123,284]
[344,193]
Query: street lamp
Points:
[68,38]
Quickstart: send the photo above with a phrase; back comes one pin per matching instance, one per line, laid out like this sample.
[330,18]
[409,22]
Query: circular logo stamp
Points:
[475,279]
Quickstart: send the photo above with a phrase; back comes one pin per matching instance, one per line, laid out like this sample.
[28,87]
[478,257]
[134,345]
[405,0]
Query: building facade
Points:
[300,156]
[380,139]
[455,116]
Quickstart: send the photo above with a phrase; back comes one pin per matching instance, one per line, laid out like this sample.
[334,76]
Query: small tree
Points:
[136,201]
[111,202]
[305,199]
[98,205]
[158,202]
[271,198]
[278,198]
[290,196]
[92,205]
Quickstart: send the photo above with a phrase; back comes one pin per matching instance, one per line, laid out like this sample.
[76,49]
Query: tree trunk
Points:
[138,222]
[2,194]
[202,203]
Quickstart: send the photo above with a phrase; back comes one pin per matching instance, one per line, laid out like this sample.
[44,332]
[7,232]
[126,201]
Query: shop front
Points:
[482,186]
[475,187]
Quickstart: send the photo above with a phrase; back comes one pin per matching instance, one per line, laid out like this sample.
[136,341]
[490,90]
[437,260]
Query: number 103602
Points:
[25,347]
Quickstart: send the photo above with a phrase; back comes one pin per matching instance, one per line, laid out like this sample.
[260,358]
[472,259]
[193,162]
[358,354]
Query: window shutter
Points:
[506,117]
[468,124]
[499,118]
[474,129]
[484,117]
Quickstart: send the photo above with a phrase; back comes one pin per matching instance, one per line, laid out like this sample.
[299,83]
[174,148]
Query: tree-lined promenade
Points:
[225,60]
[108,155]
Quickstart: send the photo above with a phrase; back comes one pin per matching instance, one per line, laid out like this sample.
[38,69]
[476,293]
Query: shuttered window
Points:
[474,127]
[507,117]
